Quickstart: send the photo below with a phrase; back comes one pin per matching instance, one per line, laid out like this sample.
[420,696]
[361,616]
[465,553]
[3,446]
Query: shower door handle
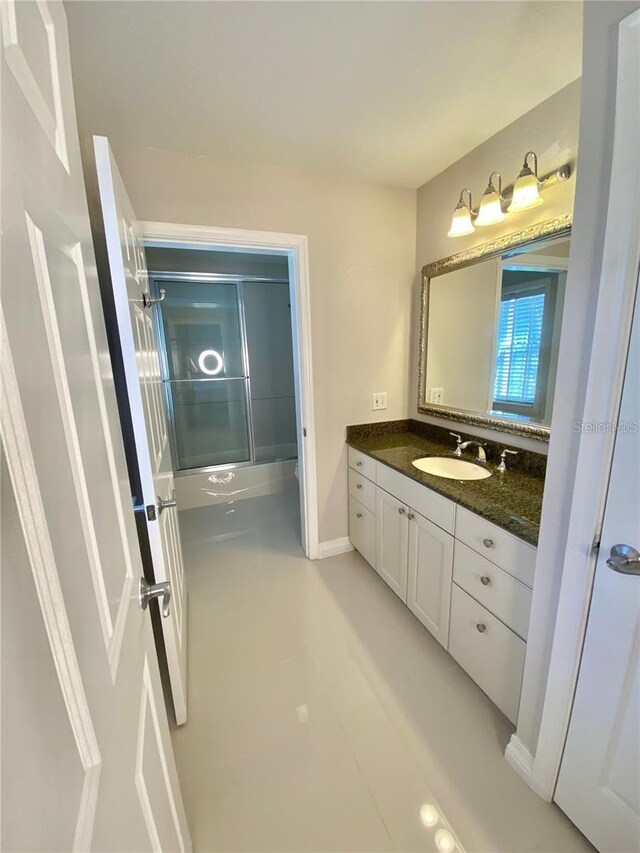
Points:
[166,504]
[148,300]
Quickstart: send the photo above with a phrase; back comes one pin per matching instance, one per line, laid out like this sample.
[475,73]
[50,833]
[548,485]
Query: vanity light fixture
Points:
[526,190]
[490,211]
[524,194]
[461,223]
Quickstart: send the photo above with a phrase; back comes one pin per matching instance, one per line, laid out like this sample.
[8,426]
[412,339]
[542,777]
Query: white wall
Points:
[551,130]
[362,263]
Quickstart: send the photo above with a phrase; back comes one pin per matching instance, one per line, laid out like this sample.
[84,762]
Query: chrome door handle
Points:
[166,504]
[148,591]
[624,559]
[148,300]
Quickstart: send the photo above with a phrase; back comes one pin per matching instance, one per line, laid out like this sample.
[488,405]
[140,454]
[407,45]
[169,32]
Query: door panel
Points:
[599,781]
[76,648]
[127,285]
[392,542]
[429,576]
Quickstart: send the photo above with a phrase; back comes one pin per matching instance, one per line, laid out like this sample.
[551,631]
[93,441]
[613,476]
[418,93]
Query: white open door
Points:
[599,782]
[140,360]
[87,762]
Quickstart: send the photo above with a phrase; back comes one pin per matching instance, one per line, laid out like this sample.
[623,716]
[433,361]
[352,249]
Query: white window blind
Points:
[519,346]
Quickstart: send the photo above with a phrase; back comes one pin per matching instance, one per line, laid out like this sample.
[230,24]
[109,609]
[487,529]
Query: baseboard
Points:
[519,758]
[333,547]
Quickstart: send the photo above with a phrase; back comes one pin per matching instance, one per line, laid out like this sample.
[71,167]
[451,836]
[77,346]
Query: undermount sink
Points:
[452,469]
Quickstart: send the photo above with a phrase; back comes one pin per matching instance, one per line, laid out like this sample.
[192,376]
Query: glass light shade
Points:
[526,192]
[461,223]
[490,209]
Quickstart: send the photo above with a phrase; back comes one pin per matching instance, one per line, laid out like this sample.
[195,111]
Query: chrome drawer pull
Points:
[358,515]
[485,580]
[488,543]
[358,485]
[481,627]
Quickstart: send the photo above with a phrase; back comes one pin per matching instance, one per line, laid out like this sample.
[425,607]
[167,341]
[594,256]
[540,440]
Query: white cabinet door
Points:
[148,419]
[392,536]
[429,575]
[87,762]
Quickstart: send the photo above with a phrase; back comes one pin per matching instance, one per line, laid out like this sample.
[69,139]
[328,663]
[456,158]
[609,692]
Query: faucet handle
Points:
[502,466]
[457,451]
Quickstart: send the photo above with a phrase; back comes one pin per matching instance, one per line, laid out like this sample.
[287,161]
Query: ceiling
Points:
[389,92]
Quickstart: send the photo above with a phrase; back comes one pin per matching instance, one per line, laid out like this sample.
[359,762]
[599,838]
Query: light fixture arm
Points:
[468,204]
[491,187]
[526,167]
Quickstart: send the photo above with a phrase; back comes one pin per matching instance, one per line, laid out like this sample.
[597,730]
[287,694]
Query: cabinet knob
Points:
[358,464]
[488,543]
[358,515]
[401,510]
[410,515]
[481,627]
[485,580]
[358,485]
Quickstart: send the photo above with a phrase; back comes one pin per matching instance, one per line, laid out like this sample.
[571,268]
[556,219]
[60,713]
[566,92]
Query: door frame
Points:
[615,305]
[294,246]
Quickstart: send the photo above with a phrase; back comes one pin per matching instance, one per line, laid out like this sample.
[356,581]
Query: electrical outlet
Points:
[436,395]
[379,400]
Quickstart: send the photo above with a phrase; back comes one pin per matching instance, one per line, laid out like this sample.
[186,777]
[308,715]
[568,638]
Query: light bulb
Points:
[526,193]
[490,210]
[461,223]
[526,190]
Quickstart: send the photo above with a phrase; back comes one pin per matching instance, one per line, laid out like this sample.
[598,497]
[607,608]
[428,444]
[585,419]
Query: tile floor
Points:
[324,717]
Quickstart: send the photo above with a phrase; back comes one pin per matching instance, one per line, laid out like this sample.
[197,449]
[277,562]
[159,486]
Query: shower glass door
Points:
[206,373]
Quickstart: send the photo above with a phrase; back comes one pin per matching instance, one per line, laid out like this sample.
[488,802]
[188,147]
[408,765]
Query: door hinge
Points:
[304,431]
[595,544]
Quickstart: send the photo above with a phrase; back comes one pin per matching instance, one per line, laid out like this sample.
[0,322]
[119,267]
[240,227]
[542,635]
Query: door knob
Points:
[147,591]
[166,504]
[624,559]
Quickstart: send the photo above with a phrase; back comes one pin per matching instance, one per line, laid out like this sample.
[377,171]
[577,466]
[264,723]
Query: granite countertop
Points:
[512,500]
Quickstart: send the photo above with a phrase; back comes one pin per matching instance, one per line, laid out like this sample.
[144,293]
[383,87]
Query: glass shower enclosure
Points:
[227,370]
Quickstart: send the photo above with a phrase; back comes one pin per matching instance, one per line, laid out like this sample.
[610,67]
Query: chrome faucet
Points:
[502,467]
[457,451]
[482,456]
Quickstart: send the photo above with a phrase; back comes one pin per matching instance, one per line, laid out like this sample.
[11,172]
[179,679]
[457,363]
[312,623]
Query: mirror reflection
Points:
[493,334]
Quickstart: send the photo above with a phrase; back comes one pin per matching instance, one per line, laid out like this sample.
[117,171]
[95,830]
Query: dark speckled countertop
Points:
[512,500]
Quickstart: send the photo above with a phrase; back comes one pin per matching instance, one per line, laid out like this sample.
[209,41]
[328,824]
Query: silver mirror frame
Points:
[559,227]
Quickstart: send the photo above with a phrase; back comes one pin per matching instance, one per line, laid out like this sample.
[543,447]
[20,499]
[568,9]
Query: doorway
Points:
[232,312]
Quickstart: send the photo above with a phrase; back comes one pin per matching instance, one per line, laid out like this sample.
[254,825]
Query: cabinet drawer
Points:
[502,548]
[420,498]
[362,490]
[487,650]
[499,592]
[362,530]
[362,463]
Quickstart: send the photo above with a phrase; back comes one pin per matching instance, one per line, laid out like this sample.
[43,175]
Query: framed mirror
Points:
[490,325]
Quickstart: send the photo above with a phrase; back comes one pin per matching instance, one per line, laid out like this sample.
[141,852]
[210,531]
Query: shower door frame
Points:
[295,248]
[236,281]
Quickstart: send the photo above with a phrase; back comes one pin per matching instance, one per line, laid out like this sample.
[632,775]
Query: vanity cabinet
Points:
[466,579]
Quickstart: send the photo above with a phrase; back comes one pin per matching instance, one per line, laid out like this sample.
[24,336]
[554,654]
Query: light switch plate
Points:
[436,395]
[379,400]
